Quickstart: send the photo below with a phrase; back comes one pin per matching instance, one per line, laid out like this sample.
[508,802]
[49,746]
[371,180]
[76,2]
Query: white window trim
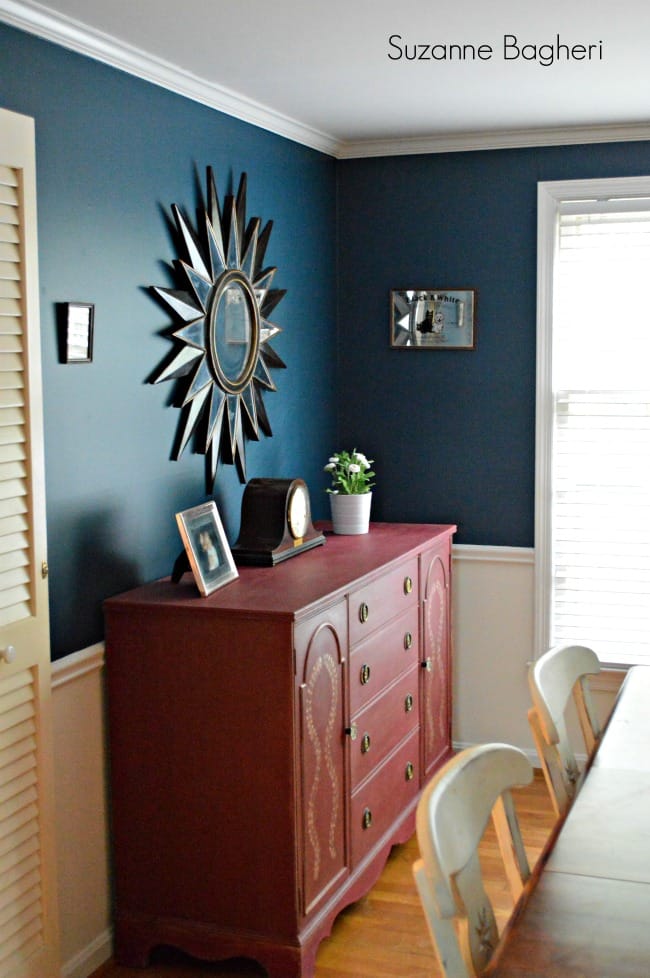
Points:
[549,196]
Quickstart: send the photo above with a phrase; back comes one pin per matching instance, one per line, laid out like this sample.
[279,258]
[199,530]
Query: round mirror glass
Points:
[234,332]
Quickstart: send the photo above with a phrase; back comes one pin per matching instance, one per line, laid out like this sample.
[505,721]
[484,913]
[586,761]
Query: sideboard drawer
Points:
[383,724]
[380,800]
[380,659]
[376,603]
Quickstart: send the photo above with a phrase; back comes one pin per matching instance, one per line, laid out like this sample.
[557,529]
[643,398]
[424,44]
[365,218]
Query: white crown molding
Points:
[72,34]
[69,33]
[503,139]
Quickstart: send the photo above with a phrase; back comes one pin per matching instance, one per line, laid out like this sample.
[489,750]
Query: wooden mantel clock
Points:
[275,522]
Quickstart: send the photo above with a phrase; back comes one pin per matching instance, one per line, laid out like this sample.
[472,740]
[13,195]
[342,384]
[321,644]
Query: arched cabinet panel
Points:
[320,656]
[435,666]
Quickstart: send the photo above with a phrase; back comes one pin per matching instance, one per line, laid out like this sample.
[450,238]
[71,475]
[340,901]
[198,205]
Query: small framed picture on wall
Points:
[76,326]
[433,319]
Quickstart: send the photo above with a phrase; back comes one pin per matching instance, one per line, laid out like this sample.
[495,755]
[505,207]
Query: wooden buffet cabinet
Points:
[268,743]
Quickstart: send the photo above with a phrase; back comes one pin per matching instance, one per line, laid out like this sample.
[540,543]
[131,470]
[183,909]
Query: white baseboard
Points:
[90,958]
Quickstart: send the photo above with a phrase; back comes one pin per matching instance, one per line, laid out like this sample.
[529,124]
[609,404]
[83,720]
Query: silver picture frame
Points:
[206,547]
[433,319]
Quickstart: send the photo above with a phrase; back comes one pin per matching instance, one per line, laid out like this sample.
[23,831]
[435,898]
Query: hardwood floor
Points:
[383,935]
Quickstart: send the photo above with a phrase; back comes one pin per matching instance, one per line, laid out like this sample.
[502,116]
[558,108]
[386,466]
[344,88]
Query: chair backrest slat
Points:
[554,679]
[451,818]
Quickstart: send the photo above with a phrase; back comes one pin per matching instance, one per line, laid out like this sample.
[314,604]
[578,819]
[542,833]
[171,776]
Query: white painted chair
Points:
[554,678]
[451,817]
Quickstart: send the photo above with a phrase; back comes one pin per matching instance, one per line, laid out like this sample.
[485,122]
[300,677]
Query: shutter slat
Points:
[10,343]
[12,452]
[11,416]
[11,325]
[9,213]
[13,468]
[9,232]
[9,251]
[17,541]
[11,434]
[13,524]
[13,578]
[8,176]
[9,289]
[14,613]
[9,270]
[11,379]
[16,823]
[12,487]
[11,362]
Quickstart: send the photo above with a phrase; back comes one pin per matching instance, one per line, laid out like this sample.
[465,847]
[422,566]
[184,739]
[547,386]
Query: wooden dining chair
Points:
[556,677]
[451,817]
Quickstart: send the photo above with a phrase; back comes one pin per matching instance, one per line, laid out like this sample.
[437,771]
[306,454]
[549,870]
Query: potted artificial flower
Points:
[350,492]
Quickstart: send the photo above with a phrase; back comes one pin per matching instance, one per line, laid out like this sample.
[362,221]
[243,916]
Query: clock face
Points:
[298,511]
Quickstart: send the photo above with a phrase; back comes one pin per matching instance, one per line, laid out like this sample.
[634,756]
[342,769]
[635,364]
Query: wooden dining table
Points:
[587,914]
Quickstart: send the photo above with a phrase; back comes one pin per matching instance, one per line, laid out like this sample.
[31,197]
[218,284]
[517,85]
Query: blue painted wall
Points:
[113,153]
[452,432]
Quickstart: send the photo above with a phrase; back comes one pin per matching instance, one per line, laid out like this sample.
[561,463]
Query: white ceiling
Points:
[320,72]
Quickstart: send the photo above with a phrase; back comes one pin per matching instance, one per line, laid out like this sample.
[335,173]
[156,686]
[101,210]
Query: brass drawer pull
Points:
[408,584]
[367,818]
[351,731]
[408,703]
[364,612]
[364,674]
[409,773]
[365,743]
[408,640]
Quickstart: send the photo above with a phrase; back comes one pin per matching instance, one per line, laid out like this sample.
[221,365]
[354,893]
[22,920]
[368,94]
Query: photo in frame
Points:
[433,319]
[206,547]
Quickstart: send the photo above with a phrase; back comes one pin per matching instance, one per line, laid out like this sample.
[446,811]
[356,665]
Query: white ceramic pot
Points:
[350,514]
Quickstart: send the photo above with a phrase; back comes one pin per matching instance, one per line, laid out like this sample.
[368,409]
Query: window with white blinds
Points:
[600,482]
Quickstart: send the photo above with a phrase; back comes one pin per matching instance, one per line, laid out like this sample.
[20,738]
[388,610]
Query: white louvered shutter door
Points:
[28,911]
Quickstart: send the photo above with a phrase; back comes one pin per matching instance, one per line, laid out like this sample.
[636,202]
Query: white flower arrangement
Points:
[351,473]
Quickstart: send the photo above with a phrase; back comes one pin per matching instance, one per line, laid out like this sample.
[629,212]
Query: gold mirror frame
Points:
[224,360]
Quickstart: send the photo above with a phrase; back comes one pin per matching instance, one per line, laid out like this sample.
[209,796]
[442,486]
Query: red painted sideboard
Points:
[268,743]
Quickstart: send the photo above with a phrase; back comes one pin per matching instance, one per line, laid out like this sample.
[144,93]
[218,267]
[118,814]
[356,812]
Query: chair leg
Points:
[551,766]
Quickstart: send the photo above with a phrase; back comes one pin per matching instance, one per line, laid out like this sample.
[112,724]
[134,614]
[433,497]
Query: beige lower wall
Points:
[81,812]
[492,628]
[492,617]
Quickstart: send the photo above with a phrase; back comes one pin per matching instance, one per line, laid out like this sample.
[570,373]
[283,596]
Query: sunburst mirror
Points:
[224,359]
